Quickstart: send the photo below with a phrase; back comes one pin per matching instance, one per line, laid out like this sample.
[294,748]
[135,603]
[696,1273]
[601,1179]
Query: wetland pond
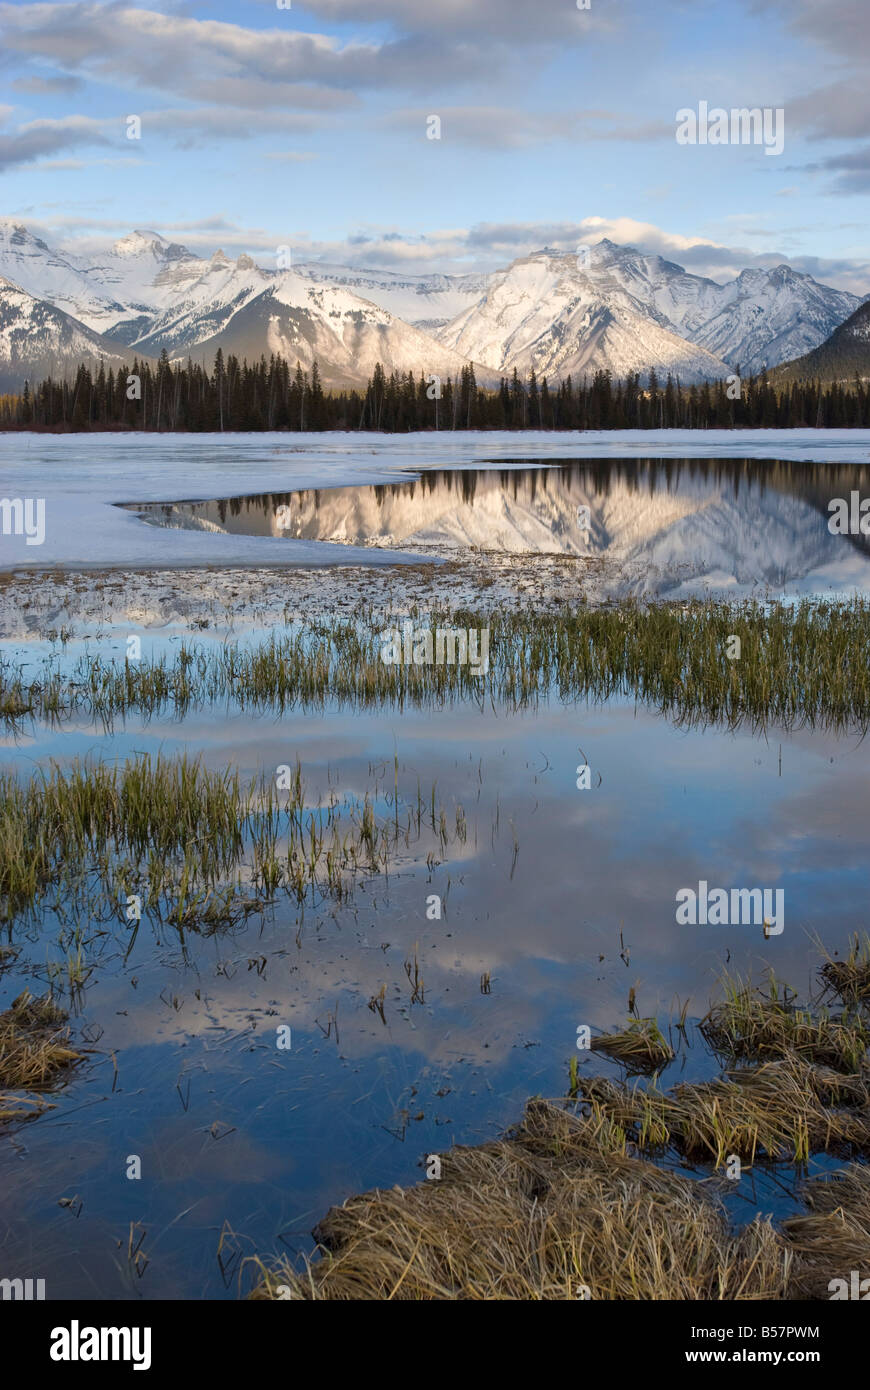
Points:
[434,993]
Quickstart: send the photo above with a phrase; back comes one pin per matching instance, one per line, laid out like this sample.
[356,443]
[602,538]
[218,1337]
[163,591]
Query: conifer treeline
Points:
[269,395]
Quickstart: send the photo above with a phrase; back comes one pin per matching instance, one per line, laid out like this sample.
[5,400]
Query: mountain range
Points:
[610,307]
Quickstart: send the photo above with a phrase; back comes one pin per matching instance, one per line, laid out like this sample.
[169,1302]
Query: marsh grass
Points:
[552,1211]
[799,665]
[581,1200]
[833,1237]
[767,1022]
[779,1111]
[200,850]
[801,1084]
[850,977]
[35,1051]
[640,1046]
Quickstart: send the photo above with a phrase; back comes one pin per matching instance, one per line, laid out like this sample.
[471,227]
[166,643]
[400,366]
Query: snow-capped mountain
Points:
[764,317]
[548,313]
[612,307]
[758,319]
[146,294]
[124,291]
[560,313]
[37,340]
[155,279]
[427,302]
[301,320]
[755,320]
[27,261]
[193,301]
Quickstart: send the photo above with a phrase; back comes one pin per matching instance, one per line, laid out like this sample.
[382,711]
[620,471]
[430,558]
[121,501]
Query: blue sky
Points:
[306,127]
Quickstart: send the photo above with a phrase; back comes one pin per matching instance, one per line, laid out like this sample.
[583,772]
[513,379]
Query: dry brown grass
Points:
[579,1198]
[833,1238]
[34,1054]
[640,1046]
[782,1110]
[555,1208]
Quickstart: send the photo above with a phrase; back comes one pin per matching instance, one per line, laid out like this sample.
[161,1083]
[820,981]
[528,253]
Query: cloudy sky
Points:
[307,126]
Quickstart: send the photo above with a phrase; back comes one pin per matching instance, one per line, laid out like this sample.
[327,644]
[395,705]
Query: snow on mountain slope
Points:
[28,262]
[425,301]
[768,316]
[201,299]
[147,294]
[38,340]
[621,309]
[126,290]
[759,318]
[546,312]
[301,320]
[146,274]
[165,289]
[126,284]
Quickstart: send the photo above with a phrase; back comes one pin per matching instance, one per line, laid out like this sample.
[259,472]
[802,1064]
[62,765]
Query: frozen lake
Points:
[81,477]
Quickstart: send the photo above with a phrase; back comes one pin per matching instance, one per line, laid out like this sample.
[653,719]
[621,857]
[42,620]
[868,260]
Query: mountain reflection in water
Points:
[671,527]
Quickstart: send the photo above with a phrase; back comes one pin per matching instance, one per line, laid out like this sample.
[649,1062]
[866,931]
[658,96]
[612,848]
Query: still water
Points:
[564,898]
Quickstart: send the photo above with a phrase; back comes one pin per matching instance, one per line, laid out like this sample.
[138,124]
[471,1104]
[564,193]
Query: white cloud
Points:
[549,20]
[187,127]
[37,139]
[840,27]
[209,60]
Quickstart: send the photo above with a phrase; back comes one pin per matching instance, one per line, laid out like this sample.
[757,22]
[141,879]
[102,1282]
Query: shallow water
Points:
[672,527]
[565,897]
